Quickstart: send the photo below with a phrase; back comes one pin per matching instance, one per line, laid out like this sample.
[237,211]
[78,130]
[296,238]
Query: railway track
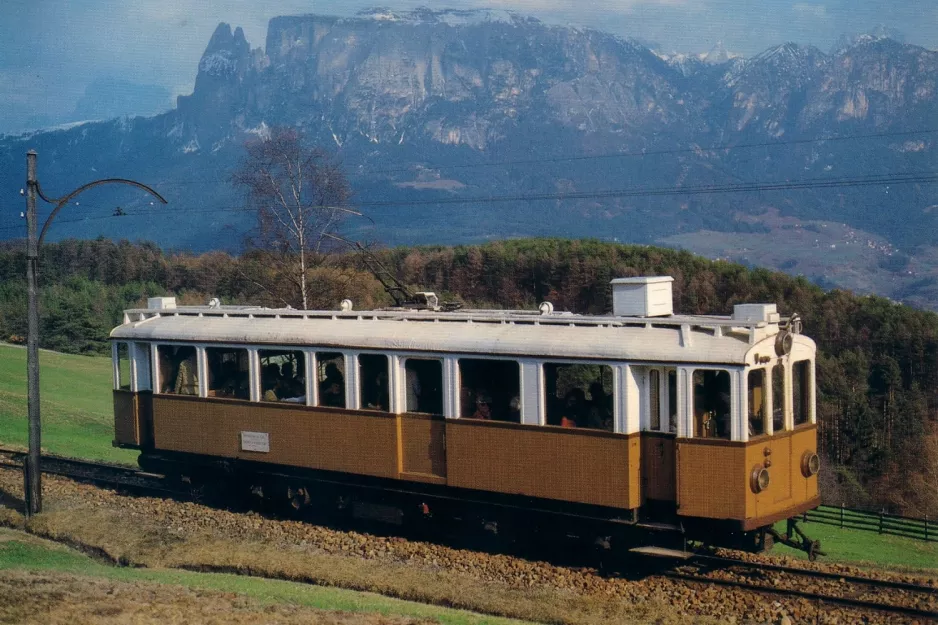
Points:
[103,473]
[820,587]
[854,591]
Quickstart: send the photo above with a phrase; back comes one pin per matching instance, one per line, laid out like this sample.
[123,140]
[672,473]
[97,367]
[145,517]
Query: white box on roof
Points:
[161,303]
[646,296]
[756,312]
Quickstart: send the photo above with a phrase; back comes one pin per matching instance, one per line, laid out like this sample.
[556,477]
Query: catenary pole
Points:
[32,475]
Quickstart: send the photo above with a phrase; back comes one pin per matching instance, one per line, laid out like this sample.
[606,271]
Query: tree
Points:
[299,194]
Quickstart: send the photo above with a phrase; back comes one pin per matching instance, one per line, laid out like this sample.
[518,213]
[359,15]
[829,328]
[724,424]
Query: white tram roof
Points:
[676,338]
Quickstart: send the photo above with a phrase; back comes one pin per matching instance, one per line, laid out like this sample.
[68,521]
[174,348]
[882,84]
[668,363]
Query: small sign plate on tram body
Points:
[255,441]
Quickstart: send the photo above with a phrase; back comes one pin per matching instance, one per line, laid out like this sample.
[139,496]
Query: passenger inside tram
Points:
[483,407]
[227,372]
[567,402]
[712,404]
[600,408]
[374,381]
[187,377]
[424,380]
[495,382]
[574,409]
[332,384]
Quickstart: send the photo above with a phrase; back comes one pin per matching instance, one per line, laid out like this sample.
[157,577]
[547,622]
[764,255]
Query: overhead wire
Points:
[924,177]
[628,154]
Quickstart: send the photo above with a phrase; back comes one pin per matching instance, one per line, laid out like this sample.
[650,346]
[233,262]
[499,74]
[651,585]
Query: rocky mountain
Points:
[437,115]
[107,98]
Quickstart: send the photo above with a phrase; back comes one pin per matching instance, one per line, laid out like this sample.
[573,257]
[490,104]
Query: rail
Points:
[881,522]
[870,595]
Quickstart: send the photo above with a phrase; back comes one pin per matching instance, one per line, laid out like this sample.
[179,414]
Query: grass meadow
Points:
[23,552]
[76,406]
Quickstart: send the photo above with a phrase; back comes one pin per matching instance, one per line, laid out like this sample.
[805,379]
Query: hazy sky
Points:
[52,49]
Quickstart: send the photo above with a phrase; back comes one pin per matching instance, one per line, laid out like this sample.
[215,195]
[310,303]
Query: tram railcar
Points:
[657,425]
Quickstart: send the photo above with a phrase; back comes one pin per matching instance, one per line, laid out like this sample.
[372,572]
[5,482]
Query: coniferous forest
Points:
[877,367]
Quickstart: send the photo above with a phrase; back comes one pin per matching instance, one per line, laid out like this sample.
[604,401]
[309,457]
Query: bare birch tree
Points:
[299,194]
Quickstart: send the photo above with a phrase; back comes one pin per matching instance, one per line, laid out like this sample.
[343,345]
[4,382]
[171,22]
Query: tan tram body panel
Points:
[664,417]
[579,466]
[658,480]
[360,443]
[133,418]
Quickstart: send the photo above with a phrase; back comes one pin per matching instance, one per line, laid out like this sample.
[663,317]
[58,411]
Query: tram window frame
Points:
[296,394]
[662,419]
[221,384]
[779,390]
[473,393]
[323,359]
[801,392]
[671,380]
[762,416]
[143,376]
[374,388]
[169,360]
[122,366]
[702,404]
[556,398]
[654,400]
[419,389]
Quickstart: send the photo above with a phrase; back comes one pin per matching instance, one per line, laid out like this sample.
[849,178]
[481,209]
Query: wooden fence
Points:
[909,527]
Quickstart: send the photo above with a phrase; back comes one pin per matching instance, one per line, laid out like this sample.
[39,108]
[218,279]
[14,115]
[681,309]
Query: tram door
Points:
[658,438]
[422,426]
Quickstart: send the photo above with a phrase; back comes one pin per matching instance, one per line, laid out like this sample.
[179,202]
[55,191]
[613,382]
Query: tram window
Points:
[123,367]
[424,390]
[142,358]
[757,397]
[490,389]
[654,399]
[373,376]
[330,376]
[712,404]
[179,371]
[801,390]
[579,396]
[228,372]
[283,375]
[778,398]
[672,401]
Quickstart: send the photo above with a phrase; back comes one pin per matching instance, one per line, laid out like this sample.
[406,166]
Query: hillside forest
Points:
[877,366]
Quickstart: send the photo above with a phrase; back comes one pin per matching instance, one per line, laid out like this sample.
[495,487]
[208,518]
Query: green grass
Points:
[866,547]
[76,404]
[22,552]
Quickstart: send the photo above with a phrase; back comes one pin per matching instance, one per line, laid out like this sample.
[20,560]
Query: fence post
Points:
[841,516]
[881,521]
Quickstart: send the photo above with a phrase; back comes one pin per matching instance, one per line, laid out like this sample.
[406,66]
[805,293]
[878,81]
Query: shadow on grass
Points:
[11,501]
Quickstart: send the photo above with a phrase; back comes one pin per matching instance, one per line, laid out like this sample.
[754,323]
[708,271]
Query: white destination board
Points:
[255,441]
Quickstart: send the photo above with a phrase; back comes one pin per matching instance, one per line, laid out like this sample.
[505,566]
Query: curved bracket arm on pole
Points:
[59,203]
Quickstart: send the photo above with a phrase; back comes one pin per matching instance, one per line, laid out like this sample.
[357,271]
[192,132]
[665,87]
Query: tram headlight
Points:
[759,479]
[810,464]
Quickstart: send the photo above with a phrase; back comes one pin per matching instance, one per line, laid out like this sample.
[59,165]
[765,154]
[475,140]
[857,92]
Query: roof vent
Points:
[427,299]
[752,313]
[647,296]
[161,303]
